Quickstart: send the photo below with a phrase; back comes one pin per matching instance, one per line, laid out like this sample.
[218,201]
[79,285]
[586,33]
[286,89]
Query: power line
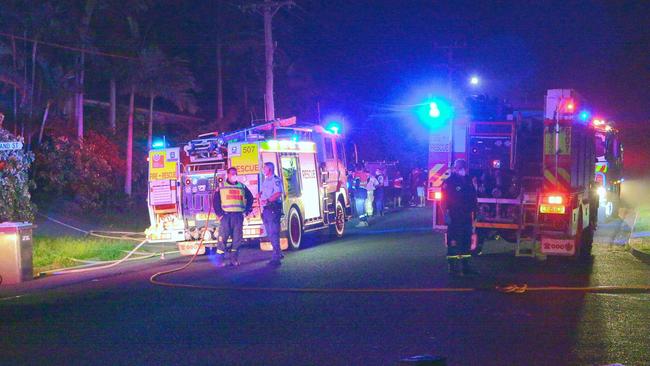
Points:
[66,47]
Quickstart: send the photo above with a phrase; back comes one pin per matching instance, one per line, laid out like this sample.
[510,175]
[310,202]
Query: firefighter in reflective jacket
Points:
[459,205]
[233,201]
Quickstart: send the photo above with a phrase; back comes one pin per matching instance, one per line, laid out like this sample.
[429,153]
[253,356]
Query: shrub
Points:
[15,200]
[90,173]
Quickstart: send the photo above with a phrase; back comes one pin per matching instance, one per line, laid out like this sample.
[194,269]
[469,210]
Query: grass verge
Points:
[58,252]
[643,220]
[641,245]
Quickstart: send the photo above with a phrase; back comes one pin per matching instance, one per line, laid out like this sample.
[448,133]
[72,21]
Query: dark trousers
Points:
[271,219]
[459,241]
[231,226]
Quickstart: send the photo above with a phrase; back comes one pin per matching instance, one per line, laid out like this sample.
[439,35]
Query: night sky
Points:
[364,58]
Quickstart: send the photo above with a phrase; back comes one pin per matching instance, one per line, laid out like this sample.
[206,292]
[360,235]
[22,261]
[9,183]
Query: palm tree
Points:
[170,79]
[58,87]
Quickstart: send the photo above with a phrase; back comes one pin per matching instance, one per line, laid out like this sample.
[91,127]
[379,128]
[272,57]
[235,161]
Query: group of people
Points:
[368,192]
[372,192]
[233,201]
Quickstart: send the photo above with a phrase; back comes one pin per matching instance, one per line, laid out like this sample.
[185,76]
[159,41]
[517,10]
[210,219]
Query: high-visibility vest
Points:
[232,197]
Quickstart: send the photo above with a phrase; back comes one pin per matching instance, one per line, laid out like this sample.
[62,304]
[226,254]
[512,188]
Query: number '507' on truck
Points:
[309,159]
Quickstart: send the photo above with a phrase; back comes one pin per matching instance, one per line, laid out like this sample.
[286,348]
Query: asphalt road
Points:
[118,317]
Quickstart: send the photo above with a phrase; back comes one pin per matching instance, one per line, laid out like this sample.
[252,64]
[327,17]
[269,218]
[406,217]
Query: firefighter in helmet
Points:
[233,201]
[459,206]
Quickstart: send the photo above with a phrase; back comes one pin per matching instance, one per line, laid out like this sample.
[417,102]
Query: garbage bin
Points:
[15,252]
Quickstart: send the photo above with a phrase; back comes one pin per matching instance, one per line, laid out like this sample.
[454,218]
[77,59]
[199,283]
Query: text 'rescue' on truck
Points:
[309,159]
[534,175]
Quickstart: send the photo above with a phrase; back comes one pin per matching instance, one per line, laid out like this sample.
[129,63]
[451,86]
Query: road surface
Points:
[117,317]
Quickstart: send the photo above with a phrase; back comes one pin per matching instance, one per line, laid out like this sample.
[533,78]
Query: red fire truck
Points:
[534,175]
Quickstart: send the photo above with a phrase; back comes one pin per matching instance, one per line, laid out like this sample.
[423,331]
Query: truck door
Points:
[310,189]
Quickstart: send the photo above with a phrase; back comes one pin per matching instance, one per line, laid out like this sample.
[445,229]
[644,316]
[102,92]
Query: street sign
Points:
[12,145]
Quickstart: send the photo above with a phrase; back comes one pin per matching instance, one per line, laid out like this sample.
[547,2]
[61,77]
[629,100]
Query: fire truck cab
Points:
[309,159]
[534,176]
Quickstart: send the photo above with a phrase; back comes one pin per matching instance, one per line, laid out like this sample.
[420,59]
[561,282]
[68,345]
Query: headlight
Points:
[601,191]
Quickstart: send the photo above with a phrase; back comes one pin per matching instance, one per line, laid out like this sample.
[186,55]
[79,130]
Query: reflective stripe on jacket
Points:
[232,197]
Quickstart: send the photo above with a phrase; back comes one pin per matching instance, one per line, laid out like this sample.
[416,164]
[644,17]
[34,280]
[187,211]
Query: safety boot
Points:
[220,260]
[234,259]
[468,270]
[452,267]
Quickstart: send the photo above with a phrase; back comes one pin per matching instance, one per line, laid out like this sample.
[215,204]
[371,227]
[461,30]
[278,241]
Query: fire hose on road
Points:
[155,279]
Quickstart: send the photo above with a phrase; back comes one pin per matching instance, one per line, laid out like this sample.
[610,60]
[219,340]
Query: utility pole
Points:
[268,9]
[449,50]
[450,87]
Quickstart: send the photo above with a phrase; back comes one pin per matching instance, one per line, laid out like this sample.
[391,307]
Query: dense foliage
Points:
[91,174]
[15,200]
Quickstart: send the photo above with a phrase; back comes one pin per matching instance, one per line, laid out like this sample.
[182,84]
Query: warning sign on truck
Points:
[160,166]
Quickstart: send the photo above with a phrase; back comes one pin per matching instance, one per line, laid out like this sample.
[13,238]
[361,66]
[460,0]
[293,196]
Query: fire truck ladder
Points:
[528,232]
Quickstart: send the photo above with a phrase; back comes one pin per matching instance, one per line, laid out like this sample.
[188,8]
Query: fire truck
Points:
[609,168]
[309,159]
[534,175]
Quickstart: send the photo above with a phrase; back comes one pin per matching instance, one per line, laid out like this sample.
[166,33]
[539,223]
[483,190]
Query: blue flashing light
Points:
[584,115]
[158,144]
[333,127]
[435,112]
[294,138]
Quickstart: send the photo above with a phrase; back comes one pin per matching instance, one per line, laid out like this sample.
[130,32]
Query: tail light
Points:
[553,204]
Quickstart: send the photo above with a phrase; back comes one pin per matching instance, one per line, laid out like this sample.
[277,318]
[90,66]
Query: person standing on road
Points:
[380,193]
[232,202]
[459,206]
[271,201]
[397,189]
[371,186]
[360,196]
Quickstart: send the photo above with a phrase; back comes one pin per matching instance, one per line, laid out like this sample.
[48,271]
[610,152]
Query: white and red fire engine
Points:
[309,159]
[534,174]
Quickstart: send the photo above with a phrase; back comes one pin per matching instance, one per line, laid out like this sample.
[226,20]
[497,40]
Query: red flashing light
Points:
[437,195]
[570,107]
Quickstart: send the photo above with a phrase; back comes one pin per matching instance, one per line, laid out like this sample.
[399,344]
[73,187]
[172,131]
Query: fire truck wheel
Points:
[586,243]
[295,229]
[338,229]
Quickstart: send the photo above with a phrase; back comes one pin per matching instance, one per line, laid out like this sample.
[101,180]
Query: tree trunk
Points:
[47,111]
[269,110]
[13,53]
[128,177]
[219,83]
[150,135]
[80,99]
[31,89]
[22,120]
[113,107]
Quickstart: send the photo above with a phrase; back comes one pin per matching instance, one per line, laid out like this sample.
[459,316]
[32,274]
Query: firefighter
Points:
[459,207]
[233,201]
[271,201]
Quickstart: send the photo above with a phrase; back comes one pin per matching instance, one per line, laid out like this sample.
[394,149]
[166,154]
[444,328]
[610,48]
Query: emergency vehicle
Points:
[609,168]
[309,159]
[534,174]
